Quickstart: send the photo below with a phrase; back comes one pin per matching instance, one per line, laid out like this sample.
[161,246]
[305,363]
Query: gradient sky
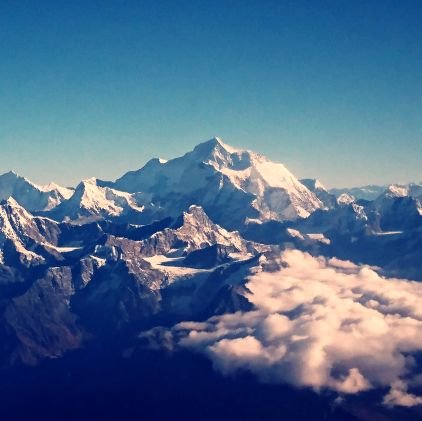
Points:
[333,89]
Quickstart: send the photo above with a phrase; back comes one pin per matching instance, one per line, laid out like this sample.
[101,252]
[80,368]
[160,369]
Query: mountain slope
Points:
[231,185]
[30,195]
[18,233]
[316,187]
[91,201]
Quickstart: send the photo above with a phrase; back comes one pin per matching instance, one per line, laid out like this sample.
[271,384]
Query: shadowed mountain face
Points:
[224,255]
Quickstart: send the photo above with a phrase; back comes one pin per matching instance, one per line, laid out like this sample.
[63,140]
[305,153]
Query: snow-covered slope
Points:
[19,230]
[345,199]
[413,190]
[91,202]
[30,195]
[316,187]
[232,185]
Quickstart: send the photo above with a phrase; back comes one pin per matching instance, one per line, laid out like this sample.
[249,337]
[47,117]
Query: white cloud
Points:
[320,323]
[399,396]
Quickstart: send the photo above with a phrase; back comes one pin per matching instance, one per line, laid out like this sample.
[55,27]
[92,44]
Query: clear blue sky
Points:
[333,88]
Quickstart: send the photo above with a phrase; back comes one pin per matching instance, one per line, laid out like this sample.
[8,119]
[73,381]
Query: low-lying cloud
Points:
[321,323]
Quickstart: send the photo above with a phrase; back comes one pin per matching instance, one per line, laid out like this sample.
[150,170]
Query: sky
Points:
[332,89]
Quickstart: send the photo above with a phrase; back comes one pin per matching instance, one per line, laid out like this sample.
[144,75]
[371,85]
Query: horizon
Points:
[331,90]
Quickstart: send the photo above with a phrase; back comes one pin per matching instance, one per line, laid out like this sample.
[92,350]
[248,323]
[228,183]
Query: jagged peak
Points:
[65,192]
[211,146]
[221,155]
[196,211]
[396,190]
[193,215]
[10,201]
[15,210]
[86,184]
[345,199]
[90,181]
[313,184]
[13,175]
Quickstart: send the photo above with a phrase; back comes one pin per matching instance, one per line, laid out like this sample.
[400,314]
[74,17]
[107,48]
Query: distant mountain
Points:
[232,185]
[398,208]
[316,187]
[30,195]
[369,192]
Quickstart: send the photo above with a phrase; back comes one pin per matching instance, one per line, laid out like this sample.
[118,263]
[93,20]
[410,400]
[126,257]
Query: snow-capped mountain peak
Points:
[91,200]
[316,187]
[18,226]
[30,195]
[215,151]
[345,199]
[313,184]
[199,230]
[231,184]
[396,190]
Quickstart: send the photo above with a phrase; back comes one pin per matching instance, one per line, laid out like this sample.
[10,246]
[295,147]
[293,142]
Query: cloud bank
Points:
[320,323]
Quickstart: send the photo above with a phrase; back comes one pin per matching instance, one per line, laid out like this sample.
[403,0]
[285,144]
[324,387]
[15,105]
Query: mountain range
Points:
[179,241]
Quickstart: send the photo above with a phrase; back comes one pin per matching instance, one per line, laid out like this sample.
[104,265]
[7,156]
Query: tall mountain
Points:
[232,185]
[30,195]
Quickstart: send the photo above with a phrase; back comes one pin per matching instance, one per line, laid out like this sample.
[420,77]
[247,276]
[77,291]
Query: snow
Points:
[100,200]
[13,218]
[199,231]
[263,175]
[319,237]
[295,233]
[15,223]
[345,199]
[279,195]
[61,249]
[100,262]
[31,195]
[171,266]
[225,146]
[319,185]
[174,269]
[388,233]
[395,190]
[29,256]
[64,191]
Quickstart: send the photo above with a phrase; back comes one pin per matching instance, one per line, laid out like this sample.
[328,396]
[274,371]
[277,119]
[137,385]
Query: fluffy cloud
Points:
[321,323]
